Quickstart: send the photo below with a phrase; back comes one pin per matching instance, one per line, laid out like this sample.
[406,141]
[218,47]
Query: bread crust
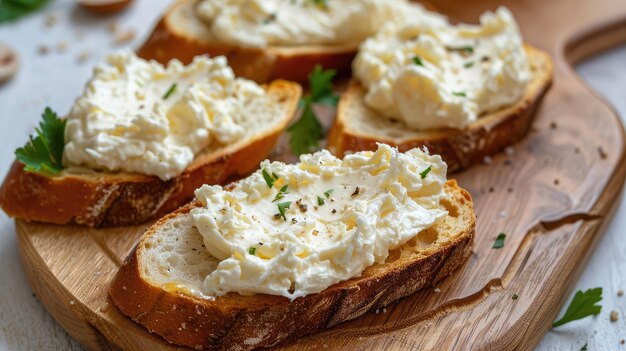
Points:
[262,65]
[460,149]
[116,199]
[235,322]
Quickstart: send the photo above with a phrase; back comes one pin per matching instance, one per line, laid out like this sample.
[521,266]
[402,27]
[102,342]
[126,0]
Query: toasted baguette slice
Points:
[359,127]
[156,284]
[182,34]
[115,199]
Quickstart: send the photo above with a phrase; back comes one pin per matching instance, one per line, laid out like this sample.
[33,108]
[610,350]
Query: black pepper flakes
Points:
[602,153]
[356,192]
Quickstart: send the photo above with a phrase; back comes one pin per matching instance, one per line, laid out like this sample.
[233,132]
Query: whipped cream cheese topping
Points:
[260,23]
[431,74]
[139,116]
[323,220]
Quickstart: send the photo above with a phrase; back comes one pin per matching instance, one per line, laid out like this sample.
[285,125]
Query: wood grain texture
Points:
[552,197]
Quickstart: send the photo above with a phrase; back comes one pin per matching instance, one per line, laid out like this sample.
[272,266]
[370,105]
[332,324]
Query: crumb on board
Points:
[620,293]
[62,46]
[43,50]
[613,316]
[124,37]
[83,56]
[52,19]
[553,125]
[602,153]
[113,27]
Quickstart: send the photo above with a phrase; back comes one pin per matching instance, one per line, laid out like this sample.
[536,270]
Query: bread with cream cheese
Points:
[104,199]
[237,322]
[182,34]
[358,127]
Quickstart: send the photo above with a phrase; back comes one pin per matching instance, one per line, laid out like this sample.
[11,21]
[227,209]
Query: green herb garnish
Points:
[44,153]
[306,132]
[425,172]
[499,243]
[269,179]
[252,250]
[418,61]
[515,296]
[584,348]
[468,49]
[583,305]
[170,91]
[459,93]
[328,192]
[271,18]
[282,207]
[281,193]
[320,201]
[11,10]
[321,3]
[468,64]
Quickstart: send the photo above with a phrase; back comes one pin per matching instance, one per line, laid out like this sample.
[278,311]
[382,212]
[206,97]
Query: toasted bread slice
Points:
[359,127]
[156,284]
[182,34]
[115,199]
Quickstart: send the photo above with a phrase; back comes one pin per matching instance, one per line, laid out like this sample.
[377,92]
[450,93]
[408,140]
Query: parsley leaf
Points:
[269,179]
[499,243]
[463,49]
[468,64]
[282,207]
[320,201]
[425,172]
[252,250]
[321,3]
[170,91]
[328,192]
[459,93]
[418,61]
[306,132]
[281,193]
[11,10]
[583,305]
[584,348]
[44,153]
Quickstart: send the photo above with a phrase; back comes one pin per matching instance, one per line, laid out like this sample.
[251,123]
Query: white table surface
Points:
[57,78]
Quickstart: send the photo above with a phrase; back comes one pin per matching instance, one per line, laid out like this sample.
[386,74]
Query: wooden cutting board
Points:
[552,197]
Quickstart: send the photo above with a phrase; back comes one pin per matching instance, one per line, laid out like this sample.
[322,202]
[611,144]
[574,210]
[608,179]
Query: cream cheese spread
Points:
[294,230]
[260,23]
[139,116]
[431,74]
